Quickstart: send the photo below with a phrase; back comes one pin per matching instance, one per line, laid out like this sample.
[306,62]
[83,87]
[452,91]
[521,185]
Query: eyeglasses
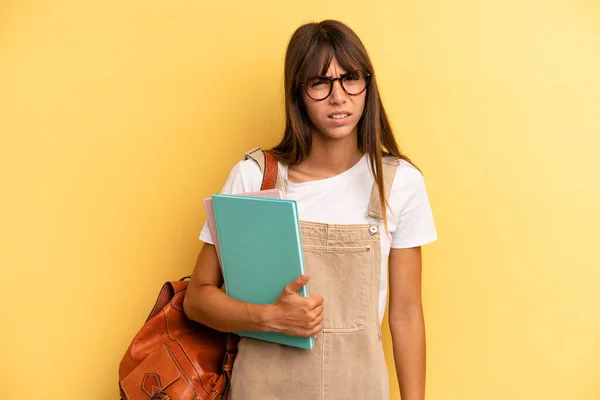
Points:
[320,87]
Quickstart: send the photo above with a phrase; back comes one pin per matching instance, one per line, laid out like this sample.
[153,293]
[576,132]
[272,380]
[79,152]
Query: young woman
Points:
[363,206]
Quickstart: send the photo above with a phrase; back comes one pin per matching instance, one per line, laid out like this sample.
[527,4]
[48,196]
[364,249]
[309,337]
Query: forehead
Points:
[335,68]
[328,61]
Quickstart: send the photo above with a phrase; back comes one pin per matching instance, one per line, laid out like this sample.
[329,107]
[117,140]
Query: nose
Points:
[338,95]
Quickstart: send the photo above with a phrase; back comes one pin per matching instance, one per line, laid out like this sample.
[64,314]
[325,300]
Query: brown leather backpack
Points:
[174,358]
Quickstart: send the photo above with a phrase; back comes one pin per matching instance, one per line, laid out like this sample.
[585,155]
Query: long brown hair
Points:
[309,53]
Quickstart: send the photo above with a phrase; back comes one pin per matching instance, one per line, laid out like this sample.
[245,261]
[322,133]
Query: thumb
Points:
[297,284]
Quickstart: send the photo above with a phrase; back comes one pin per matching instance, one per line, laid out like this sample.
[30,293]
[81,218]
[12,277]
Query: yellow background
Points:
[118,118]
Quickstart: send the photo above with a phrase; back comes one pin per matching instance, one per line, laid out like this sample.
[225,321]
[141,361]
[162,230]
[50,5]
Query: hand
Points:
[295,315]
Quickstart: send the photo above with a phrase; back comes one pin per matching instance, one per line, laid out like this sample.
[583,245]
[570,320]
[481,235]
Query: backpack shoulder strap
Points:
[268,166]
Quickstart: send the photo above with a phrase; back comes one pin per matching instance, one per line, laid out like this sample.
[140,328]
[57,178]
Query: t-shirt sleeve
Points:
[415,223]
[244,177]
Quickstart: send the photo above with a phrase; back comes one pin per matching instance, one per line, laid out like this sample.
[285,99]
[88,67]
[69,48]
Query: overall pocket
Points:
[342,276]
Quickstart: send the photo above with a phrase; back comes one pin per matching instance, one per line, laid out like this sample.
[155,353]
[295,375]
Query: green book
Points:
[260,247]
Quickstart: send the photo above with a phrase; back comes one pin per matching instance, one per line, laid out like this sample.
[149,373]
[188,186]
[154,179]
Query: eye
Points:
[352,76]
[318,82]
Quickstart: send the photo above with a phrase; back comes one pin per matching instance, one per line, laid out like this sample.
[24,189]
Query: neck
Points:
[333,156]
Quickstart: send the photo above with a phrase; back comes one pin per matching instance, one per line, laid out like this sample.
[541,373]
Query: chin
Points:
[338,133]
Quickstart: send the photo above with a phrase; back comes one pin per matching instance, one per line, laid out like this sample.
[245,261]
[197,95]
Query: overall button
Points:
[373,230]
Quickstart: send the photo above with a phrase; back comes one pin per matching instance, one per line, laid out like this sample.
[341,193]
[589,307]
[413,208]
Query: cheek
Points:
[314,111]
[360,104]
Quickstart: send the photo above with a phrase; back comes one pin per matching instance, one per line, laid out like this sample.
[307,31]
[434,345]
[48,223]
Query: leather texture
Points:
[174,358]
[270,173]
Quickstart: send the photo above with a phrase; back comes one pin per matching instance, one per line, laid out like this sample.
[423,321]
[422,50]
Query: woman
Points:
[363,205]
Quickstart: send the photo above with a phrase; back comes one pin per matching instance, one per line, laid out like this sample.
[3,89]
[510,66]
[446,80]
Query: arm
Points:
[206,303]
[406,321]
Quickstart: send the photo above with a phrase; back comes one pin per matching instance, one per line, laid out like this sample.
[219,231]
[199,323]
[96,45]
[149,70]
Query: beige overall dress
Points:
[347,362]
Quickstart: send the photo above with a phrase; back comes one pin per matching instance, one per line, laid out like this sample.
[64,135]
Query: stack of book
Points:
[259,245]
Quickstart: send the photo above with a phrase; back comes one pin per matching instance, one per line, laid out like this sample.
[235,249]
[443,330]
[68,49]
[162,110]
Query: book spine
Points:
[304,290]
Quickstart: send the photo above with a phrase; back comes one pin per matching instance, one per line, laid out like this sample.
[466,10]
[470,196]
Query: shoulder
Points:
[248,167]
[407,178]
[411,207]
[408,189]
[245,176]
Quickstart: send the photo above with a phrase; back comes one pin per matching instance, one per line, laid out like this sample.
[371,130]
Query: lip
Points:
[339,121]
[339,112]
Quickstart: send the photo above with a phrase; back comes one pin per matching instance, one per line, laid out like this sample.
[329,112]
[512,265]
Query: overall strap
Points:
[389,165]
[268,167]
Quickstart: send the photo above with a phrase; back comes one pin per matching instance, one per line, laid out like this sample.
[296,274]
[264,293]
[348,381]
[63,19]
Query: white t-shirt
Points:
[344,199]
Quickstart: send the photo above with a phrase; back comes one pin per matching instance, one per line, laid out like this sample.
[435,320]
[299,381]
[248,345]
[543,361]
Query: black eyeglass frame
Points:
[340,78]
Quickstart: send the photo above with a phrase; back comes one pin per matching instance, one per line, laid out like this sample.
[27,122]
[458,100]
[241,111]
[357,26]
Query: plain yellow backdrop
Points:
[118,118]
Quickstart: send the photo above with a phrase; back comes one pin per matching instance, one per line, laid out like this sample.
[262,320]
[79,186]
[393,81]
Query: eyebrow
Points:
[331,76]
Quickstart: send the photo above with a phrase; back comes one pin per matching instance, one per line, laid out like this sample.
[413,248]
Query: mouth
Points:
[339,115]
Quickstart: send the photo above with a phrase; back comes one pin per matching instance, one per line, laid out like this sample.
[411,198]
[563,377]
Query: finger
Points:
[314,301]
[297,284]
[316,330]
[315,313]
[315,322]
[311,331]
[318,311]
